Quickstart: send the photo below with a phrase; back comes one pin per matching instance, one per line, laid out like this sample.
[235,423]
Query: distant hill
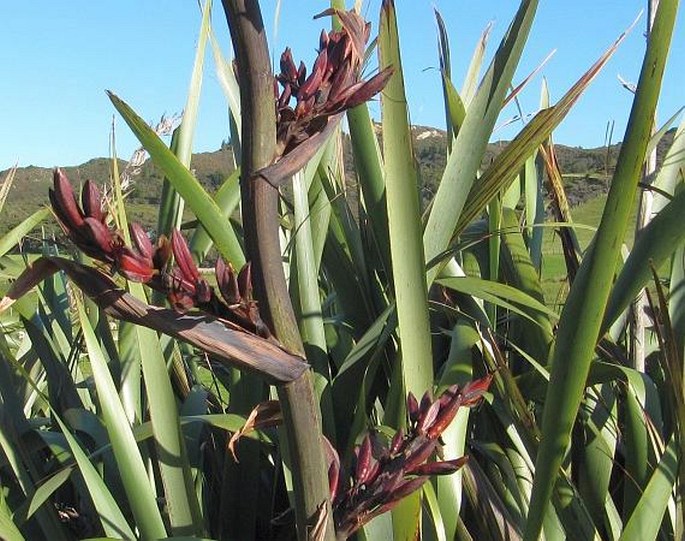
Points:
[31,184]
[585,172]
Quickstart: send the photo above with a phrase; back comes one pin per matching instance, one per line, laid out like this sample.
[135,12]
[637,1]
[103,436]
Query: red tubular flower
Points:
[456,398]
[141,241]
[133,266]
[187,288]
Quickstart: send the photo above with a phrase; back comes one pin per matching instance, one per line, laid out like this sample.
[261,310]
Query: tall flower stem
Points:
[260,221]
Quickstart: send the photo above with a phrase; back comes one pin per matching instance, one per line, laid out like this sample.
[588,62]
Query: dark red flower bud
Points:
[133,266]
[426,402]
[179,298]
[91,200]
[333,460]
[203,291]
[301,73]
[323,40]
[417,452]
[98,241]
[447,396]
[284,98]
[162,253]
[227,282]
[474,390]
[64,202]
[427,418]
[412,408]
[364,459]
[456,399]
[140,240]
[245,282]
[404,489]
[445,467]
[288,69]
[313,82]
[364,90]
[396,443]
[183,257]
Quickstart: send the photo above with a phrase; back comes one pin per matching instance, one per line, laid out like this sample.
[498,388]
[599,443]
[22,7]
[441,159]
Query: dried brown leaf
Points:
[264,415]
[223,340]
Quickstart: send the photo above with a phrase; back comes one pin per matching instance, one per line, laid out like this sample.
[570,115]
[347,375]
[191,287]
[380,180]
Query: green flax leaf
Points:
[581,318]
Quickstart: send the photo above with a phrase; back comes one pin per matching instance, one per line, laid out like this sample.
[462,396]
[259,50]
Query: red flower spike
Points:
[148,263]
[336,70]
[386,472]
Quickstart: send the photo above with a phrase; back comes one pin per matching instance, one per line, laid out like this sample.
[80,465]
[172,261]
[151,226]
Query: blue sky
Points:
[59,57]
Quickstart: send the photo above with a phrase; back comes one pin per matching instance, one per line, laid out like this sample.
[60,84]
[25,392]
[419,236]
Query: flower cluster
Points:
[180,280]
[333,86]
[385,472]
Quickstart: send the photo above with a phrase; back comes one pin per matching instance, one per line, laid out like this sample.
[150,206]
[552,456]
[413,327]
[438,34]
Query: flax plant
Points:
[355,365]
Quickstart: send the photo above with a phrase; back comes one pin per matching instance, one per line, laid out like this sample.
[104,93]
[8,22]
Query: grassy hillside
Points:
[30,190]
[586,217]
[585,172]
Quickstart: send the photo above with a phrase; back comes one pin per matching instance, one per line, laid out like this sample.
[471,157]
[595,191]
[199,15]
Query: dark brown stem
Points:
[260,222]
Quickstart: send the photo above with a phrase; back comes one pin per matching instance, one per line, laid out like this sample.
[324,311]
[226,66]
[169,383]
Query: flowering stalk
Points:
[308,108]
[275,147]
[385,472]
[333,86]
[278,139]
[87,227]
